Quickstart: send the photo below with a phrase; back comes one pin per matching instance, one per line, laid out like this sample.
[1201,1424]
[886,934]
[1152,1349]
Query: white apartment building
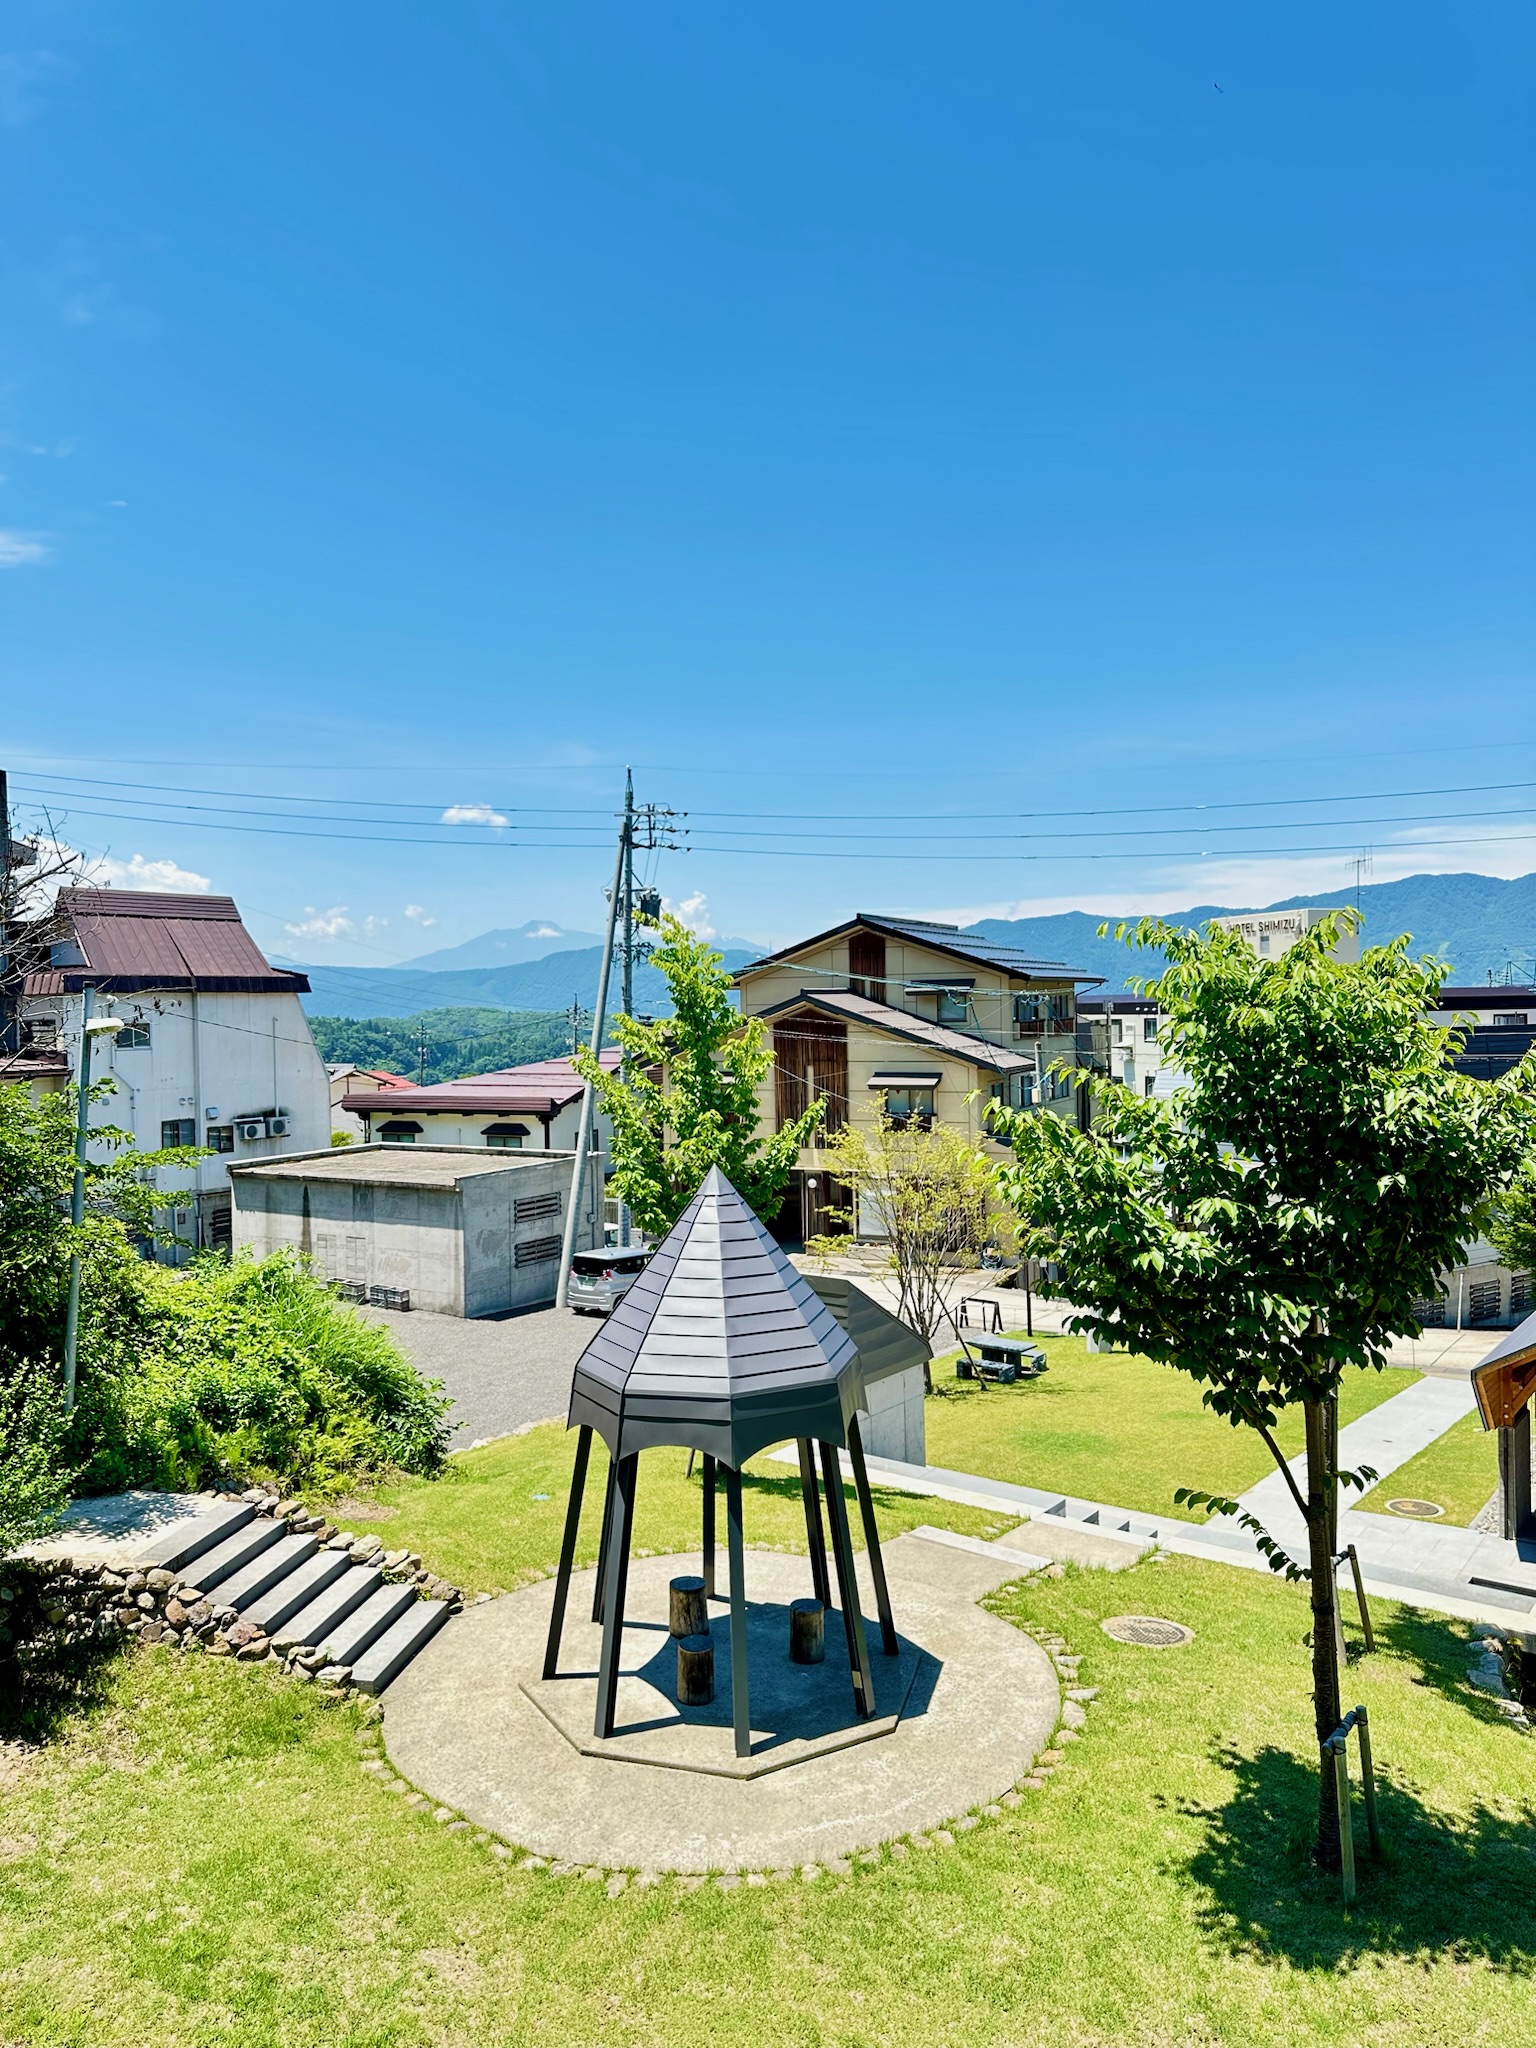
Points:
[213,1047]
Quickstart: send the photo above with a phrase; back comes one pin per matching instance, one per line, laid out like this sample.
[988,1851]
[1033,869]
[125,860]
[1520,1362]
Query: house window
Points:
[1149,1085]
[1149,1027]
[1513,1018]
[220,1138]
[396,1133]
[866,965]
[910,1108]
[954,1006]
[1037,1015]
[505,1137]
[133,1038]
[1117,1030]
[178,1130]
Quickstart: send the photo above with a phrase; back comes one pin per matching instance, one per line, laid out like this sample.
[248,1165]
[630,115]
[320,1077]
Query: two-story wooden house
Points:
[914,1017]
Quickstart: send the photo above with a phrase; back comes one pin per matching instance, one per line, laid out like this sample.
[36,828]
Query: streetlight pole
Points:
[77,1199]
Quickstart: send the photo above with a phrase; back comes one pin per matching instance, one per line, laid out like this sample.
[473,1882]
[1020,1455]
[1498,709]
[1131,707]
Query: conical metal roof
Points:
[720,1344]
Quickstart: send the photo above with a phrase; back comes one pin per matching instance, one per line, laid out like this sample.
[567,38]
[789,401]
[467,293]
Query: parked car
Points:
[600,1280]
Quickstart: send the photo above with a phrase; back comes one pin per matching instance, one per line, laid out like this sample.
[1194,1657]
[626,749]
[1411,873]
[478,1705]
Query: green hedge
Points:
[240,1370]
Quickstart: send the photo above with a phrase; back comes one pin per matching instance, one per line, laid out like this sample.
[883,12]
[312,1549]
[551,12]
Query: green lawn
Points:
[1115,1428]
[495,1520]
[1459,1470]
[199,1862]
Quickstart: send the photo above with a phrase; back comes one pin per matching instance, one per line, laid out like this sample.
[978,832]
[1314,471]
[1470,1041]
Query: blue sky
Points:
[885,426]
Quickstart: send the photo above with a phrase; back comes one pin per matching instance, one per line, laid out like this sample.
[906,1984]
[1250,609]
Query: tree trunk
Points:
[1322,1489]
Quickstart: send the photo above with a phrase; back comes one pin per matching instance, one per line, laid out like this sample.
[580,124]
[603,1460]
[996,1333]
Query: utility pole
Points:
[90,1027]
[584,1130]
[627,981]
[421,1055]
[575,1017]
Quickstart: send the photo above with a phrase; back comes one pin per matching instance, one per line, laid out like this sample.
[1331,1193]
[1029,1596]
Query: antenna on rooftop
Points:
[1363,865]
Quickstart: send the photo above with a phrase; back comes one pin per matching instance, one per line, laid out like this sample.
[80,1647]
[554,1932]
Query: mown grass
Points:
[1108,1426]
[494,1521]
[1458,1471]
[200,1863]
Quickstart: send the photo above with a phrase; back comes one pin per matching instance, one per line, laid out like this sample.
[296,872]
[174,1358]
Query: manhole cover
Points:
[1416,1510]
[1148,1631]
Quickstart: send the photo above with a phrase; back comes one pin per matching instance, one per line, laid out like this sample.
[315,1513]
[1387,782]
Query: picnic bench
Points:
[1004,1359]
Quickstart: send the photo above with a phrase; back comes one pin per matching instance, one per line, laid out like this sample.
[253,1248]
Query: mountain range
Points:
[1481,924]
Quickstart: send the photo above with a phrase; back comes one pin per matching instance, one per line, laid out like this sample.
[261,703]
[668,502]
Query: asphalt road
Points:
[501,1374]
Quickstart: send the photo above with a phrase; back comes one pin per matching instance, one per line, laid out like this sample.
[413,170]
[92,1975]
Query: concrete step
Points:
[367,1623]
[177,1546]
[243,1548]
[392,1651]
[297,1589]
[246,1586]
[325,1613]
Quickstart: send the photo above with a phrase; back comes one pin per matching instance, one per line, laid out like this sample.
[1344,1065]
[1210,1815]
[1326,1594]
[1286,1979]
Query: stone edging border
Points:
[1071,1724]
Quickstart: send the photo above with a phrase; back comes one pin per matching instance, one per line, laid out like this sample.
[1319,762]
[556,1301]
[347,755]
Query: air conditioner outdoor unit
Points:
[277,1127]
[249,1129]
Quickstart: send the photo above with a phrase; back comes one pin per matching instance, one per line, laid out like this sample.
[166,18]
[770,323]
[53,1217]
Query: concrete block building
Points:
[452,1229]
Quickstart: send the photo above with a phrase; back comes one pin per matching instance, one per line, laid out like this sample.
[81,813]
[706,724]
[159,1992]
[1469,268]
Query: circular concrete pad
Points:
[977,1701]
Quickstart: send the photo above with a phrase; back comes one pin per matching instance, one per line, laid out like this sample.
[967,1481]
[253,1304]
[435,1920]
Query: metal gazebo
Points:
[723,1347]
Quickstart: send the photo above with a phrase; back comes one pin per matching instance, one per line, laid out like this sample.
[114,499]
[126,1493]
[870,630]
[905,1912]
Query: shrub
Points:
[245,1369]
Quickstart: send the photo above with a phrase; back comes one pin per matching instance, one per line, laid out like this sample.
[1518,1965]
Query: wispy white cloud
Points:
[417,913]
[22,550]
[692,911]
[138,873]
[323,924]
[471,814]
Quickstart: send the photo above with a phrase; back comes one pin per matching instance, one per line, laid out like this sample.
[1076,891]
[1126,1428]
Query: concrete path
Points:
[501,1373]
[1391,1434]
[983,1705]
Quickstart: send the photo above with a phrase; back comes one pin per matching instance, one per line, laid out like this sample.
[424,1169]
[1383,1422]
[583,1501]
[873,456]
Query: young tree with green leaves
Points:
[686,1097]
[1277,1217]
[930,1194]
[1512,1220]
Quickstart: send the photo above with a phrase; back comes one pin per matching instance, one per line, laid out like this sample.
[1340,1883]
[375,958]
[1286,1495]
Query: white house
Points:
[213,1047]
[532,1108]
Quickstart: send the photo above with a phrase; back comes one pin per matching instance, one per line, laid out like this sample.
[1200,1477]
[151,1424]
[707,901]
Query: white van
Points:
[599,1280]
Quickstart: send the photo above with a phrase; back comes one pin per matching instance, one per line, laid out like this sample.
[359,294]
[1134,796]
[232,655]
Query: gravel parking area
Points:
[502,1374]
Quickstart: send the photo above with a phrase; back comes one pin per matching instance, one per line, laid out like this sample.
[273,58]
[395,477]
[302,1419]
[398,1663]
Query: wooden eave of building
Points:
[1506,1379]
[893,1023]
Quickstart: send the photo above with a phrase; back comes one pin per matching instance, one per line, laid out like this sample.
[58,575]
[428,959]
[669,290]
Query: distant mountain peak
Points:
[511,947]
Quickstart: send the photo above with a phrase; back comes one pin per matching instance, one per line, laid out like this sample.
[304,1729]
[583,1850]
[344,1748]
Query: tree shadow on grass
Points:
[58,1682]
[1452,1888]
[1444,1651]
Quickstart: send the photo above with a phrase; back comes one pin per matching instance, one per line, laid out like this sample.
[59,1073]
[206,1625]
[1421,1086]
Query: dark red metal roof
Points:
[537,1089]
[136,939]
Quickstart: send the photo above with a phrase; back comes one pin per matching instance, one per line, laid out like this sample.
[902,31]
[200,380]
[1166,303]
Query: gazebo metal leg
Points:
[708,1471]
[814,1535]
[568,1550]
[847,1584]
[615,1585]
[741,1712]
[602,1543]
[871,1538]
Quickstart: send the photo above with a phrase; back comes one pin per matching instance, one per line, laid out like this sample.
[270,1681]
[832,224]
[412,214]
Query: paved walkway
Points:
[460,1724]
[1392,1433]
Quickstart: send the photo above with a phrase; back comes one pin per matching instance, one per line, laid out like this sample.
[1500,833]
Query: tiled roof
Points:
[537,1089]
[960,1045]
[945,938]
[135,939]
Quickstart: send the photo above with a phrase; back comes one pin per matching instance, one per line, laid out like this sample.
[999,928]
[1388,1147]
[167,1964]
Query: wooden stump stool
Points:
[695,1671]
[689,1614]
[807,1632]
